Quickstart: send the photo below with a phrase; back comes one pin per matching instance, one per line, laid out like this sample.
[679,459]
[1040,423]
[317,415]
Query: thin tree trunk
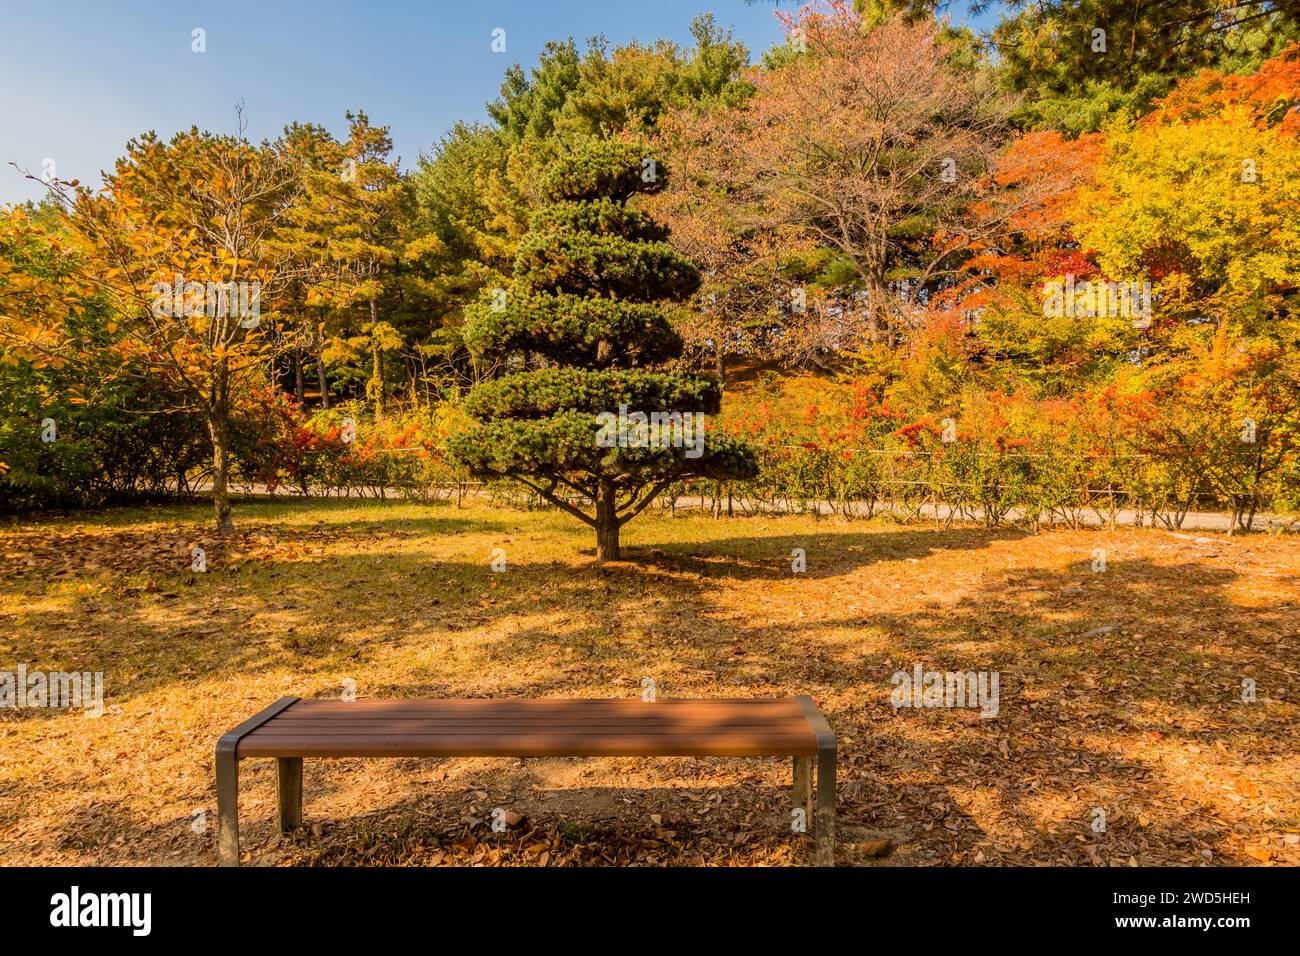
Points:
[218,428]
[607,548]
[720,364]
[297,376]
[319,346]
[378,374]
[878,326]
[378,378]
[324,384]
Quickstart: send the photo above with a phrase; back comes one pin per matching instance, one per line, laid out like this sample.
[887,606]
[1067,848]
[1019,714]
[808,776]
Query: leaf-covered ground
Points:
[1119,690]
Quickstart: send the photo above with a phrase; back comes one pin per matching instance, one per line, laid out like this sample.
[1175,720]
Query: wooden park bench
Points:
[292,728]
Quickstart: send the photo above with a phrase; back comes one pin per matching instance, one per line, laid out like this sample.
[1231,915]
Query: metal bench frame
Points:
[820,814]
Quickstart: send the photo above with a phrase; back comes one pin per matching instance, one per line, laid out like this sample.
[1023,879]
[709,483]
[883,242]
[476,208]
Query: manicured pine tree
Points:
[587,316]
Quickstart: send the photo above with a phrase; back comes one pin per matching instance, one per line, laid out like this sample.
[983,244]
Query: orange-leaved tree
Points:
[179,239]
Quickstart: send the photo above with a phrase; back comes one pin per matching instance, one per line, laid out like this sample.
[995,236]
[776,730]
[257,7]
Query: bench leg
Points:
[290,775]
[803,787]
[825,838]
[227,807]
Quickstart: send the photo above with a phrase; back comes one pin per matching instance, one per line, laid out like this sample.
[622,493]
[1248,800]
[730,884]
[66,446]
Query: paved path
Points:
[1193,521]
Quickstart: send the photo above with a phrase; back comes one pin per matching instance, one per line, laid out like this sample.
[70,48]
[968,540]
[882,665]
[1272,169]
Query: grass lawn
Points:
[1144,720]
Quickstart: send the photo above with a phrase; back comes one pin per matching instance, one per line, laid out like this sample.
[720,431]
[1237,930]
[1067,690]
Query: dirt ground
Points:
[1120,691]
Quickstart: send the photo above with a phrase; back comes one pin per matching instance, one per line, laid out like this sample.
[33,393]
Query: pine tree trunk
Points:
[606,523]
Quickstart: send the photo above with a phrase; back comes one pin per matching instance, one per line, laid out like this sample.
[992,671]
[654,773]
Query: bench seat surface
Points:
[534,728]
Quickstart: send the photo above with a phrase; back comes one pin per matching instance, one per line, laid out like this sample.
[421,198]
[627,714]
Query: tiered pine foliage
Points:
[587,311]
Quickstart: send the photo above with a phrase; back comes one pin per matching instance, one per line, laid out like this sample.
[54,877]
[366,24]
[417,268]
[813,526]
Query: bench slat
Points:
[528,726]
[533,745]
[489,706]
[794,725]
[576,728]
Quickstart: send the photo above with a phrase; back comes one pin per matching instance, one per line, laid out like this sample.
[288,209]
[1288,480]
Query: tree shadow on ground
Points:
[574,825]
[826,554]
[1088,717]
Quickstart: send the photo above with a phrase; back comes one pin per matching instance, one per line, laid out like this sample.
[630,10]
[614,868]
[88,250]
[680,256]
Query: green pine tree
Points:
[586,314]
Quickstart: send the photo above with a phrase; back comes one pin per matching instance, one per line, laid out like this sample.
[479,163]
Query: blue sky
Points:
[78,79]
